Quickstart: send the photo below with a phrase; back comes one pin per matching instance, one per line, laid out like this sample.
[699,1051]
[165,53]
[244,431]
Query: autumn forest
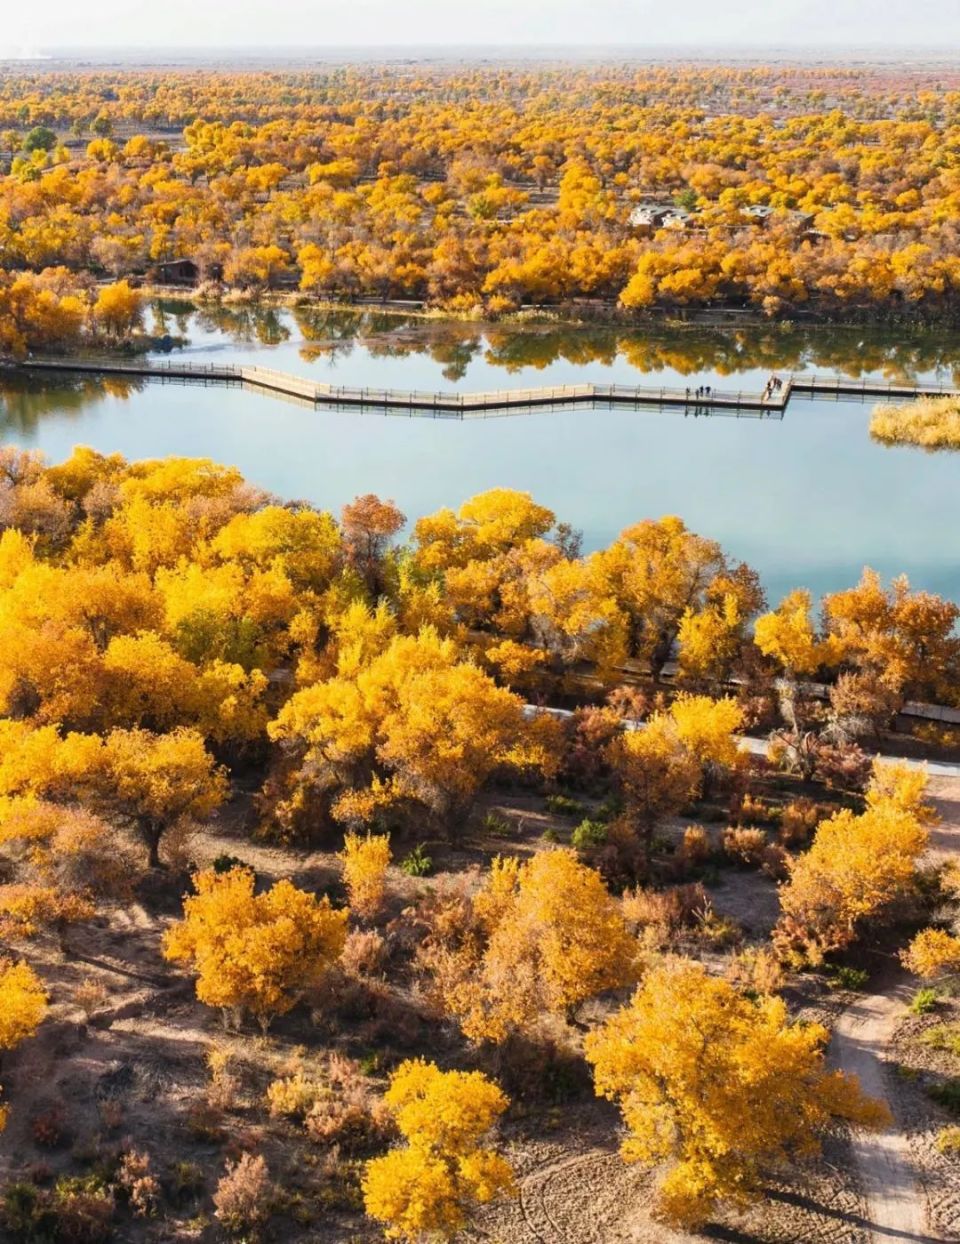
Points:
[374,875]
[823,191]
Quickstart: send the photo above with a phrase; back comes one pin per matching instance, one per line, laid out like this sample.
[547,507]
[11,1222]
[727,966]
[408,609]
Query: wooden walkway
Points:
[464,405]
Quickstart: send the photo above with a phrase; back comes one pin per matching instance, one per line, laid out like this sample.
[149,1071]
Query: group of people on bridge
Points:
[773,385]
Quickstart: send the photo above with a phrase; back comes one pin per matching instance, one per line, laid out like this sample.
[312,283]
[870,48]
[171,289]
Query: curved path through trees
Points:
[894,1199]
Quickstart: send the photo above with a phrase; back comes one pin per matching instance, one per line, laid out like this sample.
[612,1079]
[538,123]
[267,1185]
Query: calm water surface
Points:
[808,500]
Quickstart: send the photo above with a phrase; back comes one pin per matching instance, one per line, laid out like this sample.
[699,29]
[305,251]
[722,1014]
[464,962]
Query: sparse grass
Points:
[854,979]
[497,826]
[944,1037]
[90,995]
[931,422]
[946,1094]
[563,805]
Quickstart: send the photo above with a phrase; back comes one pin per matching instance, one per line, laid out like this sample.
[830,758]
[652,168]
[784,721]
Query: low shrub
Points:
[346,1112]
[589,835]
[90,995]
[225,862]
[140,1187]
[754,811]
[775,862]
[845,977]
[947,738]
[798,820]
[292,1096]
[943,1037]
[948,1141]
[205,1123]
[665,912]
[745,846]
[364,953]
[185,1182]
[924,1001]
[756,971]
[48,1127]
[496,826]
[84,1208]
[26,1215]
[417,863]
[696,847]
[223,1086]
[718,932]
[243,1195]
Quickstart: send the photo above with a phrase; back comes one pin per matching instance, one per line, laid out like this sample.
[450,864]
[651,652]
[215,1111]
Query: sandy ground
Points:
[895,1204]
[144,1051]
[896,1169]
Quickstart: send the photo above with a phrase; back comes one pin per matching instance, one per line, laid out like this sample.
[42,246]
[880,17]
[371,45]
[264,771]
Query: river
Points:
[808,499]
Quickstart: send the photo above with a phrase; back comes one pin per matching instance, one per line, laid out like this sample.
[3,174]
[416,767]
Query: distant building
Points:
[676,218]
[174,272]
[659,216]
[649,215]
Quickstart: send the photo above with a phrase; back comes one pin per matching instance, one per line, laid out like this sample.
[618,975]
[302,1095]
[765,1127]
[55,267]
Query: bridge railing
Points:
[869,385]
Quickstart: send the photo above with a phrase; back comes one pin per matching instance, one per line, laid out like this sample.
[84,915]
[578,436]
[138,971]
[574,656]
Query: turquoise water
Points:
[807,500]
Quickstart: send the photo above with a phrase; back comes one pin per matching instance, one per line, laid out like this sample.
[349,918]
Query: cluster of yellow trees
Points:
[55,309]
[164,624]
[716,1084]
[165,614]
[494,187]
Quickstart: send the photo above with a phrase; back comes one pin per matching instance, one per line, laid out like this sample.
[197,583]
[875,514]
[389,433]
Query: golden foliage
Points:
[429,727]
[254,953]
[23,1005]
[932,953]
[540,937]
[719,1086]
[856,866]
[788,636]
[663,765]
[314,178]
[427,1186]
[365,863]
[930,422]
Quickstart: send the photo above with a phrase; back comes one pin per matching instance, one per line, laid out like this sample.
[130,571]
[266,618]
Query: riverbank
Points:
[599,314]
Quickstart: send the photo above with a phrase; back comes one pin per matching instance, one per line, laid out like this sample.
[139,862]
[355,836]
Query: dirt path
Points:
[895,1201]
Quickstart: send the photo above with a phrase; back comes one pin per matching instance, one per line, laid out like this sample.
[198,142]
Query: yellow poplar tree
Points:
[426,1186]
[547,936]
[718,1085]
[787,634]
[933,953]
[23,1004]
[856,866]
[365,859]
[254,953]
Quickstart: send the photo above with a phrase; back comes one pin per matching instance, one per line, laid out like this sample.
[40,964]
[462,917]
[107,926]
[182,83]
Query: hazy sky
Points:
[44,24]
